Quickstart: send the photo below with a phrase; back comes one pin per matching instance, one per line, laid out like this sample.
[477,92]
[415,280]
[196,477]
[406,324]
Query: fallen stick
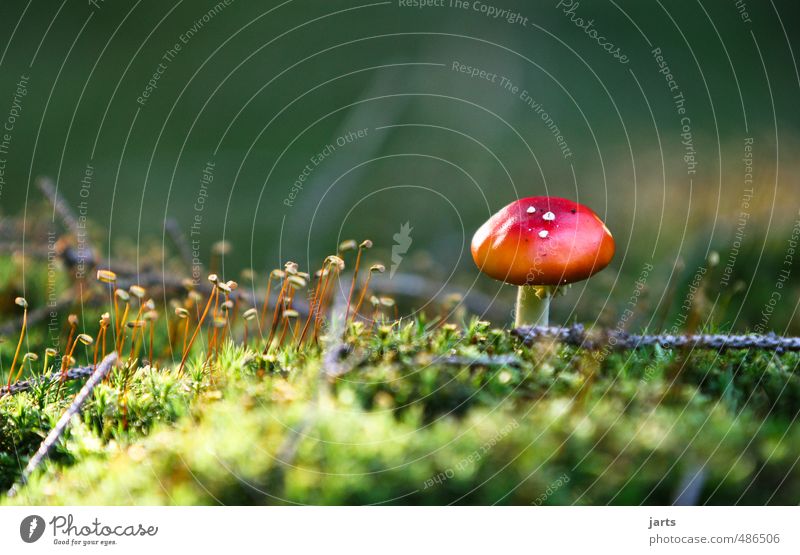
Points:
[174,232]
[73,374]
[61,208]
[616,340]
[417,287]
[44,449]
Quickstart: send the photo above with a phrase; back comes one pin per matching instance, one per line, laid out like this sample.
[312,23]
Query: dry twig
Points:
[58,430]
[578,336]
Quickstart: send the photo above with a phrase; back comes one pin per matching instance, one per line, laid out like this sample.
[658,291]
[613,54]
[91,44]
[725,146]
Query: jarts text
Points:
[656,523]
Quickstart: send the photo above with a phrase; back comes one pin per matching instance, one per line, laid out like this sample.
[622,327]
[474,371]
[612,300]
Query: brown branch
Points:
[180,242]
[61,208]
[615,340]
[55,434]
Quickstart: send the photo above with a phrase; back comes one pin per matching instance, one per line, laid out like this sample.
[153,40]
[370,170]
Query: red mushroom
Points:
[540,243]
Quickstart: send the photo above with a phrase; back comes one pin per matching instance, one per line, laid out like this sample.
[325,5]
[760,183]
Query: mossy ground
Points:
[412,421]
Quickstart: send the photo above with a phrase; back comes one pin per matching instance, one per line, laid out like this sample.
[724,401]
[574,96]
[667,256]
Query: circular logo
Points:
[31,528]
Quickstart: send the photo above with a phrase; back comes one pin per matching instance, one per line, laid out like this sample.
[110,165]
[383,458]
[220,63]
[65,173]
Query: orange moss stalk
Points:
[68,359]
[316,313]
[119,331]
[312,304]
[101,336]
[345,246]
[33,357]
[337,266]
[248,315]
[289,315]
[150,317]
[70,346]
[380,268]
[212,331]
[230,312]
[322,306]
[139,293]
[172,331]
[277,274]
[217,321]
[83,339]
[376,307]
[137,327]
[183,314]
[175,323]
[295,282]
[19,301]
[216,324]
[214,292]
[291,268]
[48,354]
[367,244]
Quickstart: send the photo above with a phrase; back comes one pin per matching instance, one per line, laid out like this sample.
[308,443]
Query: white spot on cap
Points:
[543,233]
[549,216]
[531,210]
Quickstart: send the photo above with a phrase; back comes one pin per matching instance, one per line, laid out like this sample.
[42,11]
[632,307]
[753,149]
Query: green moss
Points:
[405,426]
[421,415]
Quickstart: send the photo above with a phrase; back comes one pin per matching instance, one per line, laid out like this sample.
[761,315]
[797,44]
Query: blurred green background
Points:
[260,88]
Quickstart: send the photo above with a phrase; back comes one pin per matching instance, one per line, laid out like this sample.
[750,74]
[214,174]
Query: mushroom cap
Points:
[542,241]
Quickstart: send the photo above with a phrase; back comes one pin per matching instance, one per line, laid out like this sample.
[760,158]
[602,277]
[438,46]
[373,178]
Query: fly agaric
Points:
[540,243]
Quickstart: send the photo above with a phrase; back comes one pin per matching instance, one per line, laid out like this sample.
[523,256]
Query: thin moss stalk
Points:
[24,304]
[188,348]
[364,245]
[312,304]
[380,268]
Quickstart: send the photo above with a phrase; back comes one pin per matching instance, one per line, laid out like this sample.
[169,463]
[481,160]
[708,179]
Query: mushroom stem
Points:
[533,305]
